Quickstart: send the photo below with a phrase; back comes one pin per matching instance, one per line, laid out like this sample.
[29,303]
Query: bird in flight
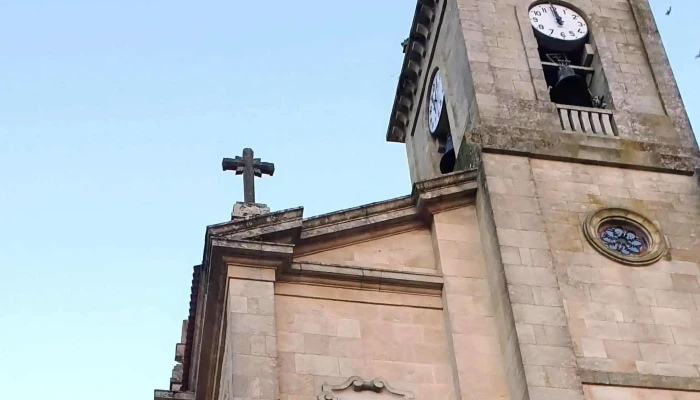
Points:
[698,56]
[668,12]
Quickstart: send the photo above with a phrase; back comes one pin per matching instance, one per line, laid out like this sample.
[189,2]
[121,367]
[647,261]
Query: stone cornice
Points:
[413,68]
[593,377]
[276,227]
[587,149]
[448,191]
[167,394]
[273,218]
[255,250]
[387,217]
[350,225]
[359,276]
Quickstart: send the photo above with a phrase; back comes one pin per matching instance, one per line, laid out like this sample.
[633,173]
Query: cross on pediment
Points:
[249,167]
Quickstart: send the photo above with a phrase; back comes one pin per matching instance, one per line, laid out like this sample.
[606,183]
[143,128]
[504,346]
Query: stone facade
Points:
[572,306]
[497,97]
[478,285]
[325,341]
[628,393]
[481,283]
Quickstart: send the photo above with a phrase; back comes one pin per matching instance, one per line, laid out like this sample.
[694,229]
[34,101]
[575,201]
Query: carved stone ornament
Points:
[357,384]
[624,236]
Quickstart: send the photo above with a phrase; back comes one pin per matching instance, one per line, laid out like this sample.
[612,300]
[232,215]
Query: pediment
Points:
[276,227]
[273,240]
[404,251]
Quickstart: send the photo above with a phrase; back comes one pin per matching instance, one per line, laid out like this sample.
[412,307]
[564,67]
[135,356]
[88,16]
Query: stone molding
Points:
[248,210]
[358,384]
[592,377]
[168,394]
[446,192]
[265,227]
[587,149]
[417,52]
[355,224]
[388,217]
[361,276]
[657,245]
[367,294]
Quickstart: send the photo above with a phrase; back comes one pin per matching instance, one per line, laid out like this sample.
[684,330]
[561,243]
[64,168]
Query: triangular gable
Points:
[407,251]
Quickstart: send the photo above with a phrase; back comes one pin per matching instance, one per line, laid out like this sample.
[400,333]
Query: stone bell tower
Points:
[499,73]
[548,249]
[586,202]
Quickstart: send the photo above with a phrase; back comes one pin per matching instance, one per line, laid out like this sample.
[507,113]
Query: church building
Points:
[548,248]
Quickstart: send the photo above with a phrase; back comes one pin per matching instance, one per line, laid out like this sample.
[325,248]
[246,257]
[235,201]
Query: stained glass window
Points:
[626,240]
[624,236]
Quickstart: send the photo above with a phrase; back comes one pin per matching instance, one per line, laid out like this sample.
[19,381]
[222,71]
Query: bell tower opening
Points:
[570,61]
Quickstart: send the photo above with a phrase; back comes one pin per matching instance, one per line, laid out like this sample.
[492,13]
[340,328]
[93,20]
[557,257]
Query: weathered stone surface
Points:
[497,97]
[248,210]
[480,284]
[167,394]
[329,341]
[649,381]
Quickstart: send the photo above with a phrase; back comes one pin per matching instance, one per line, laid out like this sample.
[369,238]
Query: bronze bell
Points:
[447,162]
[571,89]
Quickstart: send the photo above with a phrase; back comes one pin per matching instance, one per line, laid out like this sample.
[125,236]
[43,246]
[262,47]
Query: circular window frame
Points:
[655,239]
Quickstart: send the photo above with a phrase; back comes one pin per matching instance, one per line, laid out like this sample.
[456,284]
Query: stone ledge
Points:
[257,273]
[179,352]
[248,210]
[366,275]
[445,192]
[253,248]
[388,217]
[260,226]
[638,380]
[587,149]
[359,295]
[389,212]
[168,394]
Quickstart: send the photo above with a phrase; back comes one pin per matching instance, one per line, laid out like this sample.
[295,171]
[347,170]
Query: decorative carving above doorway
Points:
[348,390]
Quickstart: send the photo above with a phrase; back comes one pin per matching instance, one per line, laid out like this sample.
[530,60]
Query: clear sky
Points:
[114,117]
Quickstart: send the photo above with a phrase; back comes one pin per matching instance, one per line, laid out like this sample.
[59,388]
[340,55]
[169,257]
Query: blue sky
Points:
[114,117]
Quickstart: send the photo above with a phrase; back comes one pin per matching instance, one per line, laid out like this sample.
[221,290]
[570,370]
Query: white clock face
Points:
[436,101]
[558,22]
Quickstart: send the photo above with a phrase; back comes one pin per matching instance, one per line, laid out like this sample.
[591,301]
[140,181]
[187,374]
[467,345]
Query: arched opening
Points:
[570,60]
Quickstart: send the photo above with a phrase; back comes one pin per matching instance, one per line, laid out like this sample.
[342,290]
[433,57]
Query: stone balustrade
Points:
[595,121]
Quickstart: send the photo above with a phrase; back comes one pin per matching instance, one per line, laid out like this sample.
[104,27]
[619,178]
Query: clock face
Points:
[436,102]
[558,22]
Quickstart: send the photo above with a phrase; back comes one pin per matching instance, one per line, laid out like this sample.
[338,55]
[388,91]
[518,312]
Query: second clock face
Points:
[558,22]
[436,102]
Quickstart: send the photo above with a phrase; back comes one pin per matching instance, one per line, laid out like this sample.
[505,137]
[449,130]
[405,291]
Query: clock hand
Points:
[560,20]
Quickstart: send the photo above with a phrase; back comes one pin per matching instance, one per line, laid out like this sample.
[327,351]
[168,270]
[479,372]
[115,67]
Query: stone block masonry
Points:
[541,346]
[633,320]
[322,341]
[249,365]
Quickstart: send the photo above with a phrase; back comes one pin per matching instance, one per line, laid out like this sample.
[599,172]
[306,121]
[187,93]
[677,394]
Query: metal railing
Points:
[595,121]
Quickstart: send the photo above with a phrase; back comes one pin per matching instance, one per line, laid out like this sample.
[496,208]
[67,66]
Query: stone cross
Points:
[249,167]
